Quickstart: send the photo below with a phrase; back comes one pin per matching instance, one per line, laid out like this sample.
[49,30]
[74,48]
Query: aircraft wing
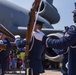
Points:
[16,18]
[13,16]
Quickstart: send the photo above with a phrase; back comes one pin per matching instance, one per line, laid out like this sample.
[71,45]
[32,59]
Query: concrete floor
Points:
[47,72]
[52,72]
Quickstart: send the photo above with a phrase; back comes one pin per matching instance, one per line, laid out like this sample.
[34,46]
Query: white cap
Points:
[17,36]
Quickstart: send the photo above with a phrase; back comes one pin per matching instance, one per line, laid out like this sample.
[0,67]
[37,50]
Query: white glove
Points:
[67,65]
[17,37]
[38,35]
[1,42]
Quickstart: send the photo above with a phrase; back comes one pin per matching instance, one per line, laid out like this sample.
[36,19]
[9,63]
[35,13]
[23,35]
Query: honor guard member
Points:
[36,52]
[64,52]
[64,69]
[4,53]
[68,40]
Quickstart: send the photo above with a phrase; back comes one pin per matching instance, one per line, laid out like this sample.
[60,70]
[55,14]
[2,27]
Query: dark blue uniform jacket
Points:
[69,40]
[4,54]
[36,53]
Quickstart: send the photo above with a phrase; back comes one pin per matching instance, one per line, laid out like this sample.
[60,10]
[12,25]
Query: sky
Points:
[64,7]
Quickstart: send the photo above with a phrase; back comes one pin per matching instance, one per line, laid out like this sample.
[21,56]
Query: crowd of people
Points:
[15,62]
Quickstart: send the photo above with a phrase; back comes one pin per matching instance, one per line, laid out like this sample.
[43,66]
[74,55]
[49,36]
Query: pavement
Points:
[47,72]
[52,72]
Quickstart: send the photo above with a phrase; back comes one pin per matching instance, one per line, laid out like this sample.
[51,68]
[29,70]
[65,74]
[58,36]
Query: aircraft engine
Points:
[50,54]
[49,12]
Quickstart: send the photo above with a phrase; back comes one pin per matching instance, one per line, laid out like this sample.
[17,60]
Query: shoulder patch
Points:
[72,27]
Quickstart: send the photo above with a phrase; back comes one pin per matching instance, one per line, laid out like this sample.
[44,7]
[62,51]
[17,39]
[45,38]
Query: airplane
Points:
[16,18]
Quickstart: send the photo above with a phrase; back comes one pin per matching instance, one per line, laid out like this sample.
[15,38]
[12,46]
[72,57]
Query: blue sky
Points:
[64,7]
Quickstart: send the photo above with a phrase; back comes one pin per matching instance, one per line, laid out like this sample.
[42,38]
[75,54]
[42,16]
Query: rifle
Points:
[3,46]
[30,28]
[6,32]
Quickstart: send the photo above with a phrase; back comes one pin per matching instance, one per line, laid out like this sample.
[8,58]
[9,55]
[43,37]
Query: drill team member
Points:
[4,53]
[68,40]
[36,52]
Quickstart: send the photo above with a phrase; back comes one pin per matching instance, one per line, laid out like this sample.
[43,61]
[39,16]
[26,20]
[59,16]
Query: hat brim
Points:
[39,22]
[74,11]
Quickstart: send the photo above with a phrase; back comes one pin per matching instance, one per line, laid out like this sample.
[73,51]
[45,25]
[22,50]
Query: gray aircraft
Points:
[16,18]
